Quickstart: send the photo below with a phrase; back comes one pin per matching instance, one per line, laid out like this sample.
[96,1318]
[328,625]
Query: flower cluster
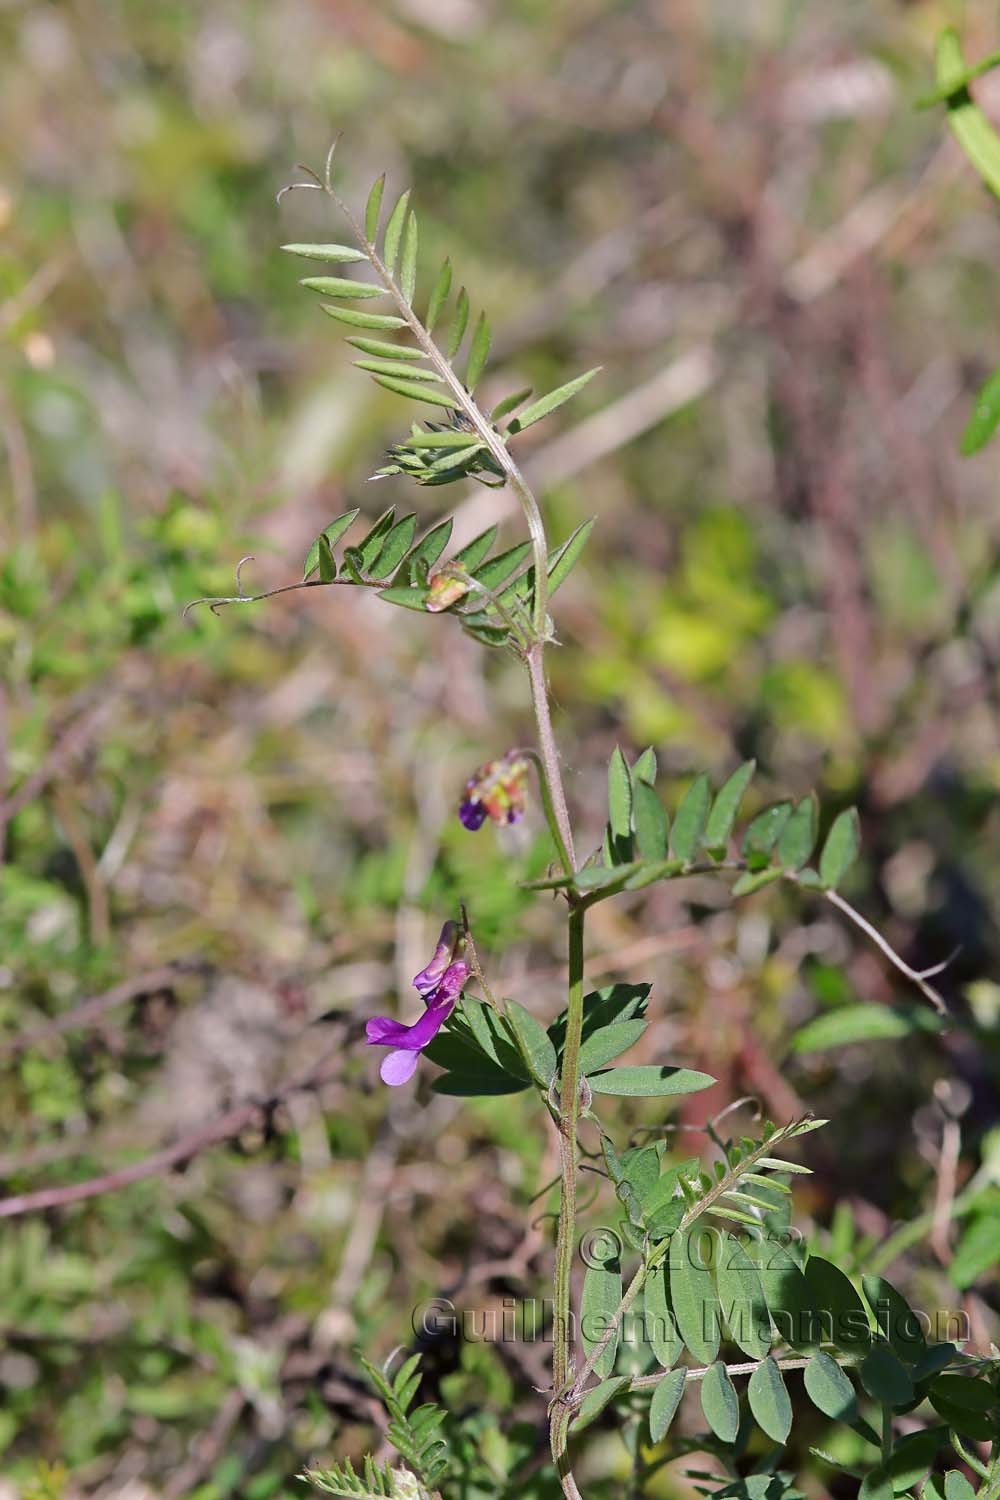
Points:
[440,985]
[497,791]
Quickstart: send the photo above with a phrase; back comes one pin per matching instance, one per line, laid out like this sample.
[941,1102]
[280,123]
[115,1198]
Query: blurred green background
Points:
[790,279]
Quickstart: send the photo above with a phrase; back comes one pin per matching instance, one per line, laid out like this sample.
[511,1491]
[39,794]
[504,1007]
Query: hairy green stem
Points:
[553,796]
[569,1118]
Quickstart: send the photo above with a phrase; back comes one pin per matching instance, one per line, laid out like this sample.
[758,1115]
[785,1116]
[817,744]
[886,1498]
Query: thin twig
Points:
[919,977]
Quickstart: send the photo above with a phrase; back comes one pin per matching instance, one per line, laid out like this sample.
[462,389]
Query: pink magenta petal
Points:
[427,980]
[398,1067]
[383,1031]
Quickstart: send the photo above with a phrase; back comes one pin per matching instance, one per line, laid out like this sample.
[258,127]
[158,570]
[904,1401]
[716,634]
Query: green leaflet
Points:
[473,553]
[608,1043]
[373,208]
[602,1292]
[742,1300]
[326,252]
[829,1389]
[763,833]
[356,319]
[394,231]
[843,1317]
[661,1330]
[408,268]
[379,348]
[798,837]
[620,803]
[596,1399]
[408,598]
[769,1401]
[663,1407]
[439,296]
[985,416]
[645,767]
[332,533]
[414,390]
[896,1320]
[459,322]
[690,819]
[550,403]
[397,544]
[692,1292]
[650,1080]
[843,844]
[340,286]
[748,883]
[427,551]
[535,1041]
[969,125]
[787,1294]
[478,352]
[509,403]
[863,1023]
[649,818]
[885,1377]
[394,367]
[720,1403]
[371,544]
[719,825]
[493,573]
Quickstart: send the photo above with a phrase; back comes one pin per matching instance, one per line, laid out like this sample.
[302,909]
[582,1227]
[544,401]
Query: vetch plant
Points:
[701,1258]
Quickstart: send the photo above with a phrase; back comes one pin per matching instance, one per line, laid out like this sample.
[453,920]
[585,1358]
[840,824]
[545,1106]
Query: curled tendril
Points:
[241,596]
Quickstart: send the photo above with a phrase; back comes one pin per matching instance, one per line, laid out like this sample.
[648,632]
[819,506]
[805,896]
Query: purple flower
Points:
[497,791]
[440,984]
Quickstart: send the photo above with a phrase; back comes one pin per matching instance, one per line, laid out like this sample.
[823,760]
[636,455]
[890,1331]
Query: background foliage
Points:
[788,276]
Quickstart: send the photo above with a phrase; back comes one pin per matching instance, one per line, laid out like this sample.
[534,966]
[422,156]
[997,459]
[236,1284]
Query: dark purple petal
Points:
[472,815]
[398,1067]
[427,980]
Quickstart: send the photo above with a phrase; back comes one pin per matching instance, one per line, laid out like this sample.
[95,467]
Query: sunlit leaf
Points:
[394,231]
[340,286]
[408,267]
[373,208]
[379,348]
[357,319]
[459,322]
[550,403]
[720,821]
[690,818]
[478,352]
[439,296]
[414,390]
[326,252]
